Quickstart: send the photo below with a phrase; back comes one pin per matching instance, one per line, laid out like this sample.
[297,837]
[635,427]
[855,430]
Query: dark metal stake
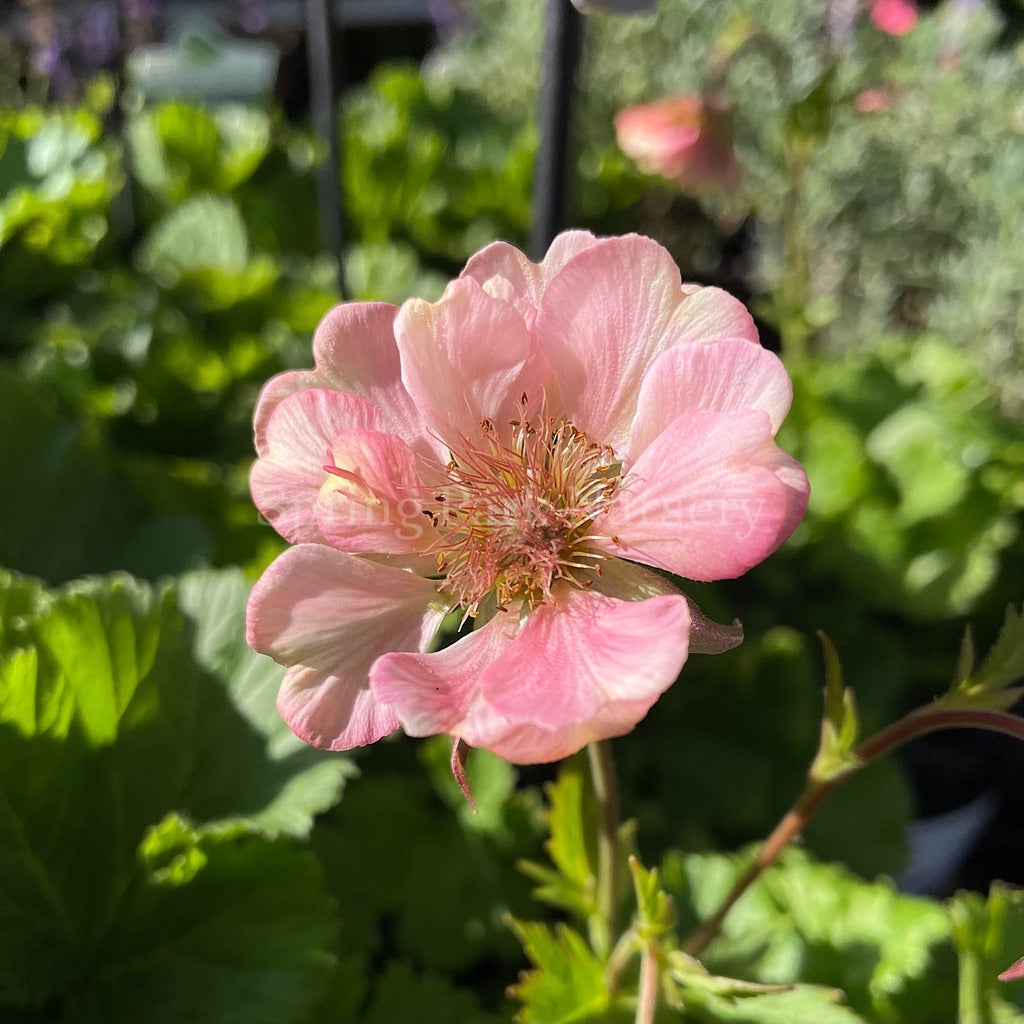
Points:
[324,108]
[563,46]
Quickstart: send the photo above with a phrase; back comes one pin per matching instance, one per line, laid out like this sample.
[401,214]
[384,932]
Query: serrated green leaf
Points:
[567,983]
[801,1004]
[223,925]
[573,820]
[988,934]
[809,923]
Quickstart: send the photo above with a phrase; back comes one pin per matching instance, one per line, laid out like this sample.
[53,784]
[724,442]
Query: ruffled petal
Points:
[583,667]
[711,497]
[372,498]
[609,313]
[466,358]
[354,348]
[716,376]
[285,482]
[527,280]
[328,616]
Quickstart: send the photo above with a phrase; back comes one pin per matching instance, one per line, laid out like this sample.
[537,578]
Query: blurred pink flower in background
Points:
[510,453]
[897,17]
[687,140]
[872,101]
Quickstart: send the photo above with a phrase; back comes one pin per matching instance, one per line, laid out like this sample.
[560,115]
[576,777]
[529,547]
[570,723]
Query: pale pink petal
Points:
[274,392]
[526,279]
[717,376]
[467,357]
[372,500]
[711,497]
[285,482]
[609,313]
[355,349]
[327,711]
[328,616]
[581,668]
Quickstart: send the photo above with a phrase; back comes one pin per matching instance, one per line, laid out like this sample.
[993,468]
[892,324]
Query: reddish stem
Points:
[917,723]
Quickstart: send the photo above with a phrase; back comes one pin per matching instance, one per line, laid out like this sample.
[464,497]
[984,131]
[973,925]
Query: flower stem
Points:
[606,790]
[916,723]
[647,998]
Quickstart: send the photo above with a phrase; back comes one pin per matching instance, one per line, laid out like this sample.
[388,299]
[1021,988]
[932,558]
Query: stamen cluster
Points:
[516,514]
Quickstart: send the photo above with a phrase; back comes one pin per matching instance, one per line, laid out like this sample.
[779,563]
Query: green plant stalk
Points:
[606,790]
[971,1005]
[916,723]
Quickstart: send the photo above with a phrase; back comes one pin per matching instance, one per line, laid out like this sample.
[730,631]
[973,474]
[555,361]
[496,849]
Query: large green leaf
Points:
[220,925]
[115,709]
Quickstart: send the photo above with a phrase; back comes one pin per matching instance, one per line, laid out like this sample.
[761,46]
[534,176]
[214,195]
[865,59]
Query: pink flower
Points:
[872,101]
[1013,973]
[897,17]
[687,140]
[510,453]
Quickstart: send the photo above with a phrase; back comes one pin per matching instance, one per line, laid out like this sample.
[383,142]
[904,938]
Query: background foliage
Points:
[170,852]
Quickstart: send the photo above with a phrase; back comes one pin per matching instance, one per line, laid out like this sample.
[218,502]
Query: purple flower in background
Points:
[447,16]
[97,35]
[252,18]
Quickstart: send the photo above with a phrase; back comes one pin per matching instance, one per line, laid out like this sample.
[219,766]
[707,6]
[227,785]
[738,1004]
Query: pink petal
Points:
[527,279]
[327,711]
[1013,973]
[274,392]
[373,499]
[467,357]
[285,482]
[711,497]
[355,348]
[584,667]
[717,376]
[610,312]
[328,616]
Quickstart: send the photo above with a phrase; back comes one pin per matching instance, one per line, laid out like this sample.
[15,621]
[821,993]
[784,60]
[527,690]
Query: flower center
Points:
[516,512]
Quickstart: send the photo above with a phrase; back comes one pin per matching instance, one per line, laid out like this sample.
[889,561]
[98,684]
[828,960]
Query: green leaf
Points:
[801,1004]
[222,925]
[839,726]
[573,819]
[567,983]
[401,995]
[988,936]
[803,922]
[655,910]
[990,685]
[249,763]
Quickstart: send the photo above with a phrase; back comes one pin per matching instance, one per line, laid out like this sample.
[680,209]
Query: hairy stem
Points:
[917,723]
[647,998]
[606,789]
